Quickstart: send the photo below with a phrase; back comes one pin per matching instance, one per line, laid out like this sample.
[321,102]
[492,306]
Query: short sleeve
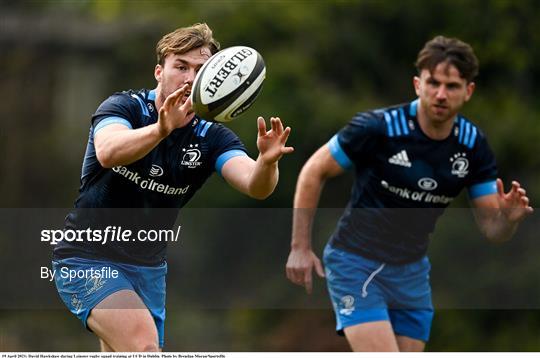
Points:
[483,170]
[356,142]
[118,108]
[224,145]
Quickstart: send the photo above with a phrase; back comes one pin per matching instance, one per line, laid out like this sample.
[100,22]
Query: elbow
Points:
[259,196]
[105,158]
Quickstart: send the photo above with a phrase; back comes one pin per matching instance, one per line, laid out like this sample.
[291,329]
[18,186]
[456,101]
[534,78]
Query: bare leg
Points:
[408,344]
[372,337]
[124,324]
[104,346]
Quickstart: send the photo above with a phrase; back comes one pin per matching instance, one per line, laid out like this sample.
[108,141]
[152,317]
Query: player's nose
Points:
[441,93]
[190,77]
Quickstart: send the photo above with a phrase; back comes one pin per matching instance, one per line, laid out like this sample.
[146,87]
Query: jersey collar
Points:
[152,95]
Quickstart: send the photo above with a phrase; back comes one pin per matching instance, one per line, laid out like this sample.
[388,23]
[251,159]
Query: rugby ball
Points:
[228,83]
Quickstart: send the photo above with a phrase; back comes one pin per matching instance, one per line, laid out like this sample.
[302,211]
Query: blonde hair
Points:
[185,39]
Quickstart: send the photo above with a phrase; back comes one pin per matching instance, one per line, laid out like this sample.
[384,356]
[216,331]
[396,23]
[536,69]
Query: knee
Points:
[144,339]
[145,344]
[147,347]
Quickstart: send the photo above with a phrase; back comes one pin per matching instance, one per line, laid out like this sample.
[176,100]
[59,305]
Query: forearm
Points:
[306,199]
[262,179]
[123,147]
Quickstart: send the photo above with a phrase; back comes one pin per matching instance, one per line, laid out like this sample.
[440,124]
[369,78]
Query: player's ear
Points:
[416,84]
[157,72]
[470,90]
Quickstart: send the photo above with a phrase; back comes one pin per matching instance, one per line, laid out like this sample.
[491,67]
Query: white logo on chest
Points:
[427,184]
[191,156]
[460,165]
[401,159]
[156,171]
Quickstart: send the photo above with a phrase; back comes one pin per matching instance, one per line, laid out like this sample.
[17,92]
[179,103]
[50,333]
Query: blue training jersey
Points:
[167,177]
[404,180]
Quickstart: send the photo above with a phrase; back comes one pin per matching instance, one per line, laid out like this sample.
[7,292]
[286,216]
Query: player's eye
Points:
[432,82]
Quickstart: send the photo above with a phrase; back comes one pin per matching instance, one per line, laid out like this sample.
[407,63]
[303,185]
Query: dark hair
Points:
[452,51]
[185,39]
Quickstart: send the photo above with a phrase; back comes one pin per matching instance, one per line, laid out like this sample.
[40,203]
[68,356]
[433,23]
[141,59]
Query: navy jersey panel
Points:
[404,180]
[167,177]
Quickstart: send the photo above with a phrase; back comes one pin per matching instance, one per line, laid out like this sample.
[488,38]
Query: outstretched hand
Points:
[514,204]
[271,144]
[175,114]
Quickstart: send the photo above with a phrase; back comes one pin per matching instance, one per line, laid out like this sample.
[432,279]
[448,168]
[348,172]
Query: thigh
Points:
[124,323]
[372,337]
[150,284]
[407,344]
[82,293]
[354,288]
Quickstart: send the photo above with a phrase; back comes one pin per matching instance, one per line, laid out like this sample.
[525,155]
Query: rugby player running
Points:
[417,155]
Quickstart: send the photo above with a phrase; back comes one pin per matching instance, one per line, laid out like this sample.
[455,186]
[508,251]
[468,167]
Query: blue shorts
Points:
[82,294]
[363,290]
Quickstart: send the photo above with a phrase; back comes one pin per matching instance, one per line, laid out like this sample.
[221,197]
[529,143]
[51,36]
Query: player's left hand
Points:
[514,204]
[271,144]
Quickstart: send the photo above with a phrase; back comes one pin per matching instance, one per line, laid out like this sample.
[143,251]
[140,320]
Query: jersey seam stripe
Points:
[199,127]
[403,121]
[467,134]
[473,137]
[205,129]
[396,122]
[388,124]
[461,128]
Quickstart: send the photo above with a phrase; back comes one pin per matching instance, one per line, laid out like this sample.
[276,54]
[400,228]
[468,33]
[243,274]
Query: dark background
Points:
[325,61]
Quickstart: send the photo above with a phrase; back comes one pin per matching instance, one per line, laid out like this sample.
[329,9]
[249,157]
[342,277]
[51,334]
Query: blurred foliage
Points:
[326,60]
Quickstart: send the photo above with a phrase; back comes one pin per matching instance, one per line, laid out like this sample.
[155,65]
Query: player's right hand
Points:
[175,114]
[300,265]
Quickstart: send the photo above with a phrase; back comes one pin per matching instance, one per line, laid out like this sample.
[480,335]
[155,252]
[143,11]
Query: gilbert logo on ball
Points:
[228,83]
